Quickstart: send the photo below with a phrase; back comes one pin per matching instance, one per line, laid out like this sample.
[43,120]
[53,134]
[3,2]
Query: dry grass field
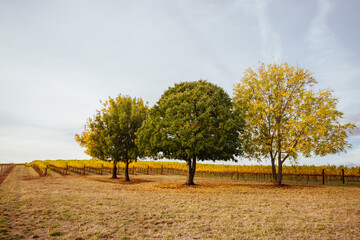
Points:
[160,207]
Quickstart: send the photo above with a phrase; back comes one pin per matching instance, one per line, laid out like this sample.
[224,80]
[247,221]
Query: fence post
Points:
[323,176]
[147,170]
[343,176]
[133,169]
[237,174]
[161,169]
[101,170]
[84,170]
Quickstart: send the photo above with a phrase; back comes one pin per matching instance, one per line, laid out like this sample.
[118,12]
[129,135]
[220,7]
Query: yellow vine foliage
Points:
[200,167]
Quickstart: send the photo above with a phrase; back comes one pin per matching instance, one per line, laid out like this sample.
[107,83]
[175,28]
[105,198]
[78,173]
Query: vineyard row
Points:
[5,169]
[201,167]
[244,176]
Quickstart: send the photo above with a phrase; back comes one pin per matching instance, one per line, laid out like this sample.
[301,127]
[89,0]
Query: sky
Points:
[58,59]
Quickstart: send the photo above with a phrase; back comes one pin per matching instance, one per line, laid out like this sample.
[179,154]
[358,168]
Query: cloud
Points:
[27,143]
[270,39]
[353,117]
[320,35]
[58,60]
[334,63]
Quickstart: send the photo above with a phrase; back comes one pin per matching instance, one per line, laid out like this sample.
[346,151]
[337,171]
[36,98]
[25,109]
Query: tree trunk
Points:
[273,167]
[279,175]
[114,169]
[191,171]
[127,170]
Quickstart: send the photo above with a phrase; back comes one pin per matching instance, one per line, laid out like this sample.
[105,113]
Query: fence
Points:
[241,176]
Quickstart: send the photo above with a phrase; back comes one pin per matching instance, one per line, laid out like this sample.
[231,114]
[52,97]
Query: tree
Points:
[110,135]
[192,121]
[285,117]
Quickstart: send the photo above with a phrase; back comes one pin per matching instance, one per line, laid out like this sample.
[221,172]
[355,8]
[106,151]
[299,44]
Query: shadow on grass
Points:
[215,185]
[121,180]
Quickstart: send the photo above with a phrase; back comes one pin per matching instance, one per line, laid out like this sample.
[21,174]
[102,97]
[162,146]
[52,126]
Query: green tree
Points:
[191,121]
[285,117]
[110,135]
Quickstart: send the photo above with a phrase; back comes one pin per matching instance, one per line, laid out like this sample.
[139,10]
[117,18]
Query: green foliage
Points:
[110,135]
[192,120]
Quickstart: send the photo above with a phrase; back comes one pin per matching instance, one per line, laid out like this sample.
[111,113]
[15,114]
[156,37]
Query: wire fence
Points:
[238,176]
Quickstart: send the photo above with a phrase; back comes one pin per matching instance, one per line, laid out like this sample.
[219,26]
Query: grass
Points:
[55,233]
[161,207]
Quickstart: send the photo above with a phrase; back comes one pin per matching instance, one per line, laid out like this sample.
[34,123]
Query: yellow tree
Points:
[286,118]
[110,135]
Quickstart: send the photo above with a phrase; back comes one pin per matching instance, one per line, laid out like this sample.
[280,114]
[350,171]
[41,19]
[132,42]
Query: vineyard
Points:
[5,169]
[315,174]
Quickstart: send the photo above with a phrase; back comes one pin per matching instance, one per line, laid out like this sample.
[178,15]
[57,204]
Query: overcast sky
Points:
[59,58]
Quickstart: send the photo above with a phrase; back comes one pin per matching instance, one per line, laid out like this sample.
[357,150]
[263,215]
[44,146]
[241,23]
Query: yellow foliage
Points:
[200,167]
[284,115]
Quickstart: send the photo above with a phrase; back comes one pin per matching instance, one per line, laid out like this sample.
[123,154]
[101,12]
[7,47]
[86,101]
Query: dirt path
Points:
[3,176]
[17,176]
[20,171]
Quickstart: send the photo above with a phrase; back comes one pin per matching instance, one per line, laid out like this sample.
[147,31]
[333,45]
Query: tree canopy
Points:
[192,121]
[286,118]
[110,134]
